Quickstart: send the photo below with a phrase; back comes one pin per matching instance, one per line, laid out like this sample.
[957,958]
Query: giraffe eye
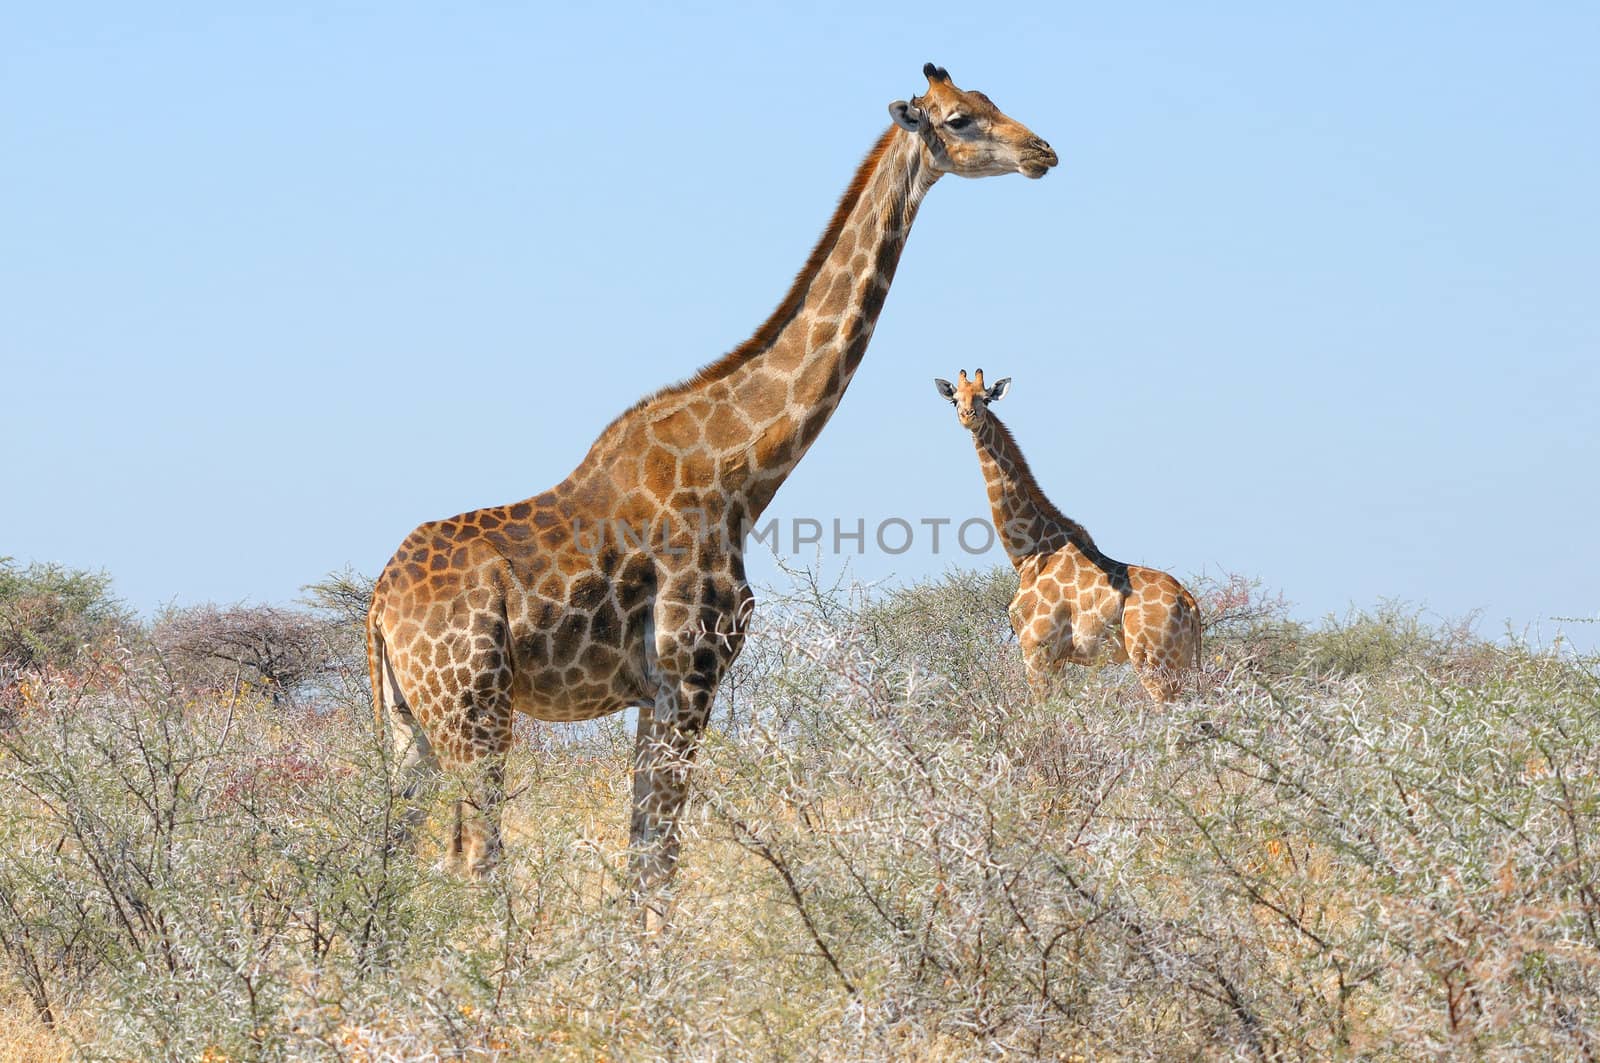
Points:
[958,121]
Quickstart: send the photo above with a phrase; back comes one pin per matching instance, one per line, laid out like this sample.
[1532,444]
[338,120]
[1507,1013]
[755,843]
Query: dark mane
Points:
[790,306]
[1076,532]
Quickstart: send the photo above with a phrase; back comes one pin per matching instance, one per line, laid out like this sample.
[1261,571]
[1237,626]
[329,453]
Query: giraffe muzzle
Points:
[1037,158]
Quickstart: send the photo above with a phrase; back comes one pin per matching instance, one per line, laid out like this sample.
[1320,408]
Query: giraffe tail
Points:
[375,664]
[1196,628]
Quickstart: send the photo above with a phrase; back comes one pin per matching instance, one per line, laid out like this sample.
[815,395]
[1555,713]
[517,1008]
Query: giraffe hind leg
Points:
[1161,683]
[1139,649]
[1160,653]
[416,768]
[1117,645]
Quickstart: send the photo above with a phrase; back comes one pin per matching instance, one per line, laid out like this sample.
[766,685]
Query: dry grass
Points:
[1369,839]
[24,1038]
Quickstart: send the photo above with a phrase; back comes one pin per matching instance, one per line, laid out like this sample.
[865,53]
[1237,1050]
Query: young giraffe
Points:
[1070,592]
[624,585]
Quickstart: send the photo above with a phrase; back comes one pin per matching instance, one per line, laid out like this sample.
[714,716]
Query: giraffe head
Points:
[966,134]
[970,398]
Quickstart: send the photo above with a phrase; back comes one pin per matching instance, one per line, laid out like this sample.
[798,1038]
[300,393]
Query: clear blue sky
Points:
[1312,296]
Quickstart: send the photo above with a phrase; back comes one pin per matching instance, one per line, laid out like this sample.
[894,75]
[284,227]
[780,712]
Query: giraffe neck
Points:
[797,367]
[1027,522]
[744,421]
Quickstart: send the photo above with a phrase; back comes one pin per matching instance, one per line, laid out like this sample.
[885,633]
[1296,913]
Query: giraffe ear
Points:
[946,389]
[998,392]
[908,116]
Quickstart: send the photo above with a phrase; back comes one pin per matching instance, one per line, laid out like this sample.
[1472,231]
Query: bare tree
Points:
[282,649]
[343,597]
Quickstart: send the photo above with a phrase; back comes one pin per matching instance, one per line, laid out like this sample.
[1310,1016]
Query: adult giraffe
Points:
[624,585]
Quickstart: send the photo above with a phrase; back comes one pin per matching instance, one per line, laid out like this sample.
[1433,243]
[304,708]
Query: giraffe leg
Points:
[1161,673]
[1046,635]
[1157,630]
[416,773]
[663,758]
[1100,631]
[475,841]
[1161,683]
[1035,662]
[1136,643]
[476,738]
[1174,648]
[1041,682]
[1117,646]
[695,642]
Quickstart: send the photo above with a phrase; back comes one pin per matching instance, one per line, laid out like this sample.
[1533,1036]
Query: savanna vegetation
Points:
[1373,837]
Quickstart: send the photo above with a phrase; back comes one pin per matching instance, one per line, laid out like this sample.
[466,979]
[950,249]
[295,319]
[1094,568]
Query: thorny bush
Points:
[1369,837]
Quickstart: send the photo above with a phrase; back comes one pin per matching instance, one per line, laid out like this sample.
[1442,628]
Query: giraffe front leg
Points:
[1085,642]
[1041,683]
[1038,668]
[697,637]
[663,759]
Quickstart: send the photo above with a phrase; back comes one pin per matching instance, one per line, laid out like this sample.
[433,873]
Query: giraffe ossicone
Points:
[1071,597]
[501,610]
